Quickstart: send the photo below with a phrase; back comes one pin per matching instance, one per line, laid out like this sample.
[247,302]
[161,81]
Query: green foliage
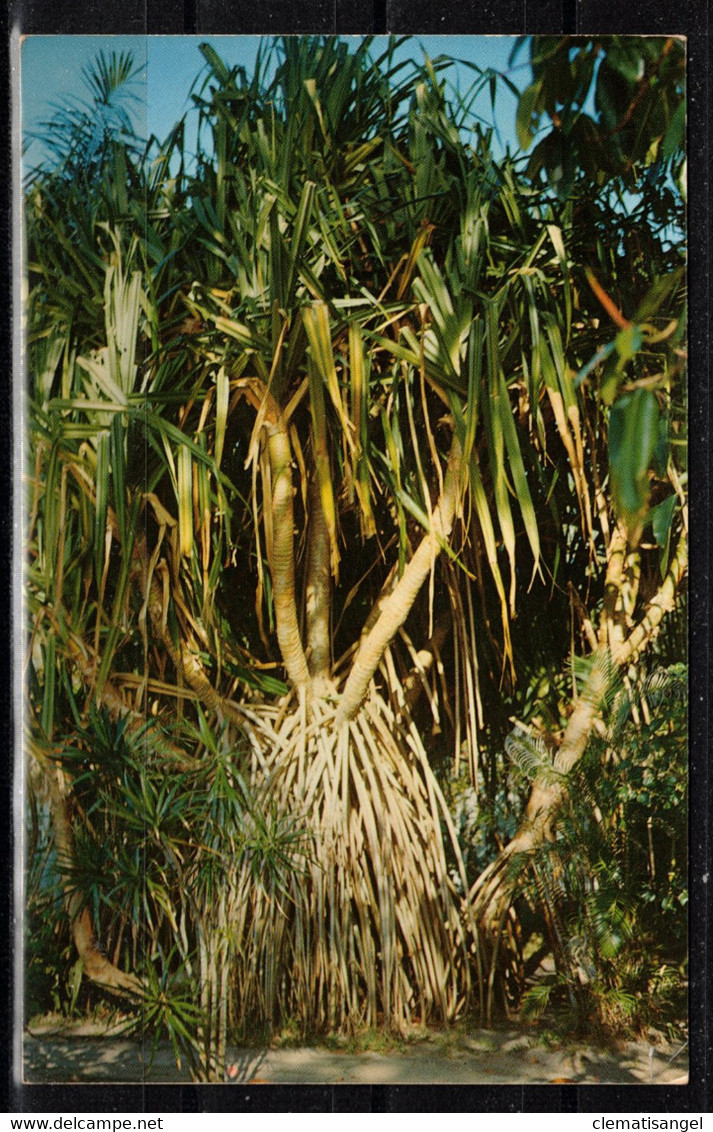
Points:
[612,887]
[49,955]
[170,1011]
[610,106]
[633,435]
[612,110]
[83,135]
[158,853]
[343,257]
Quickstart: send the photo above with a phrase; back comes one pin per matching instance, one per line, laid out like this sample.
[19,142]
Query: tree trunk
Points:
[318,589]
[282,566]
[282,521]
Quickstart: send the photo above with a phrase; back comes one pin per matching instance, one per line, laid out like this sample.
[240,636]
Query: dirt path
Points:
[502,1056]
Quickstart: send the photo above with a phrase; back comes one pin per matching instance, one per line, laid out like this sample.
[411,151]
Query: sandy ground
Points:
[498,1056]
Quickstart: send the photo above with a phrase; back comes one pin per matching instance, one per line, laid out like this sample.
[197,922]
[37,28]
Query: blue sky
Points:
[51,73]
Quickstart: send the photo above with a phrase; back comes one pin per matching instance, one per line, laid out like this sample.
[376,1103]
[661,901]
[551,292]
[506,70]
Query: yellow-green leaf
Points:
[222,395]
[185,501]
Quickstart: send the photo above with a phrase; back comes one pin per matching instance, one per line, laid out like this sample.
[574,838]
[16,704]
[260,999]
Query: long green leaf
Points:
[359,377]
[519,476]
[50,679]
[297,243]
[184,478]
[321,453]
[222,396]
[493,416]
[102,503]
[118,473]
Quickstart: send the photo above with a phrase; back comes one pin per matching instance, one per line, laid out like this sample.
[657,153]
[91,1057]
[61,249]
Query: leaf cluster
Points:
[602,108]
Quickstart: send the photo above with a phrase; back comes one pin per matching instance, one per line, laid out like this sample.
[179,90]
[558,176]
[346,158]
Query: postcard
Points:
[354,535]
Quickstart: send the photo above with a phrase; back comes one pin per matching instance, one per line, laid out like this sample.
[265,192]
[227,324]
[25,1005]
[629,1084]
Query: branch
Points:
[283,555]
[492,892]
[609,630]
[186,662]
[97,967]
[397,606]
[663,602]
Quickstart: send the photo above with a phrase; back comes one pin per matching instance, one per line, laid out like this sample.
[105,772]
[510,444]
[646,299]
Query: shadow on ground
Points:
[504,1056]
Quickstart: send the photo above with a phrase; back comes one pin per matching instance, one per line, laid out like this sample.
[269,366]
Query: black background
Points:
[688,18]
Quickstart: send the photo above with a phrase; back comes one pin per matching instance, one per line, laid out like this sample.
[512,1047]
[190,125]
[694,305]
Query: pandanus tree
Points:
[623,168]
[303,409]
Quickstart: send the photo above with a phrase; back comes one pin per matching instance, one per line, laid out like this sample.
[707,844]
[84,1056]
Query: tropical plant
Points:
[629,471]
[322,419]
[611,107]
[612,881]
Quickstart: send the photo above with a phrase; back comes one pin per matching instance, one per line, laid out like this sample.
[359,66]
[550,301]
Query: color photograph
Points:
[354,551]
